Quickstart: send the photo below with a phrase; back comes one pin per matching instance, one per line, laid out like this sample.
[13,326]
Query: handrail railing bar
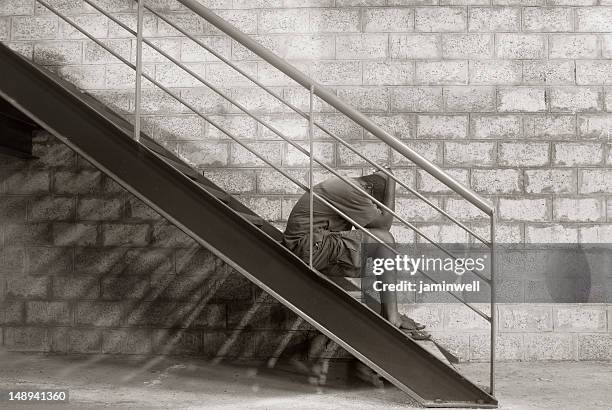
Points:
[337,103]
[493,309]
[358,226]
[138,91]
[277,132]
[321,127]
[169,92]
[222,129]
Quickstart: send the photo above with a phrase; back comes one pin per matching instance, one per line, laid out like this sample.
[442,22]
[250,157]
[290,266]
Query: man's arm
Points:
[385,220]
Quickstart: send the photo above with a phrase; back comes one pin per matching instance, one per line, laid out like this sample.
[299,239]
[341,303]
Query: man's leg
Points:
[388,299]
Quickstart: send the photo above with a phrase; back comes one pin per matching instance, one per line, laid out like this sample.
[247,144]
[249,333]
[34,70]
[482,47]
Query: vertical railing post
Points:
[310,175]
[138,97]
[493,308]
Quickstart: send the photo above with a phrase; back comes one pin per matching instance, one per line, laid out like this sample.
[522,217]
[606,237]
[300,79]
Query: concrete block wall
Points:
[511,98]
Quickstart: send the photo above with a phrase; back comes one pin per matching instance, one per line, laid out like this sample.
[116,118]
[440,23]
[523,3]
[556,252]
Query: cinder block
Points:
[178,342]
[442,233]
[271,151]
[268,208]
[12,312]
[169,236]
[366,99]
[595,126]
[5,28]
[456,343]
[192,52]
[13,261]
[30,181]
[388,73]
[361,46]
[463,210]
[469,153]
[417,210]
[16,8]
[509,347]
[594,181]
[520,46]
[594,347]
[413,46]
[495,72]
[596,234]
[580,318]
[116,234]
[84,341]
[336,72]
[606,46]
[26,339]
[399,125]
[573,46]
[125,287]
[497,181]
[578,154]
[132,341]
[75,234]
[48,313]
[333,20]
[461,317]
[428,184]
[35,28]
[441,72]
[273,182]
[378,152]
[47,260]
[594,19]
[244,20]
[549,72]
[576,99]
[323,151]
[467,46]
[594,72]
[549,346]
[27,286]
[99,209]
[27,234]
[138,210]
[232,181]
[440,19]
[388,20]
[525,318]
[292,47]
[123,77]
[416,99]
[469,99]
[551,233]
[579,209]
[551,19]
[79,182]
[523,153]
[550,126]
[550,181]
[202,154]
[495,126]
[494,19]
[529,99]
[283,21]
[94,24]
[442,126]
[53,154]
[529,210]
[256,101]
[75,287]
[13,208]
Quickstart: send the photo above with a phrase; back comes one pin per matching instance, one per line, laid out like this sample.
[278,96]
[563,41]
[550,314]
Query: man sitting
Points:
[337,246]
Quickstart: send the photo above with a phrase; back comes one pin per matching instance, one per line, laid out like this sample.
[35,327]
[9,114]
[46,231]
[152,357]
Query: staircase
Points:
[232,231]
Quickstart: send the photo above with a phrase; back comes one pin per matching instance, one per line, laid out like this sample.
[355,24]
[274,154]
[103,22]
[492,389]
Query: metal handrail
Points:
[337,103]
[295,145]
[315,123]
[355,117]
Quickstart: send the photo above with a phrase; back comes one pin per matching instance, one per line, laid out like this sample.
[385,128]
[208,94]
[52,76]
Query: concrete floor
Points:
[103,382]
